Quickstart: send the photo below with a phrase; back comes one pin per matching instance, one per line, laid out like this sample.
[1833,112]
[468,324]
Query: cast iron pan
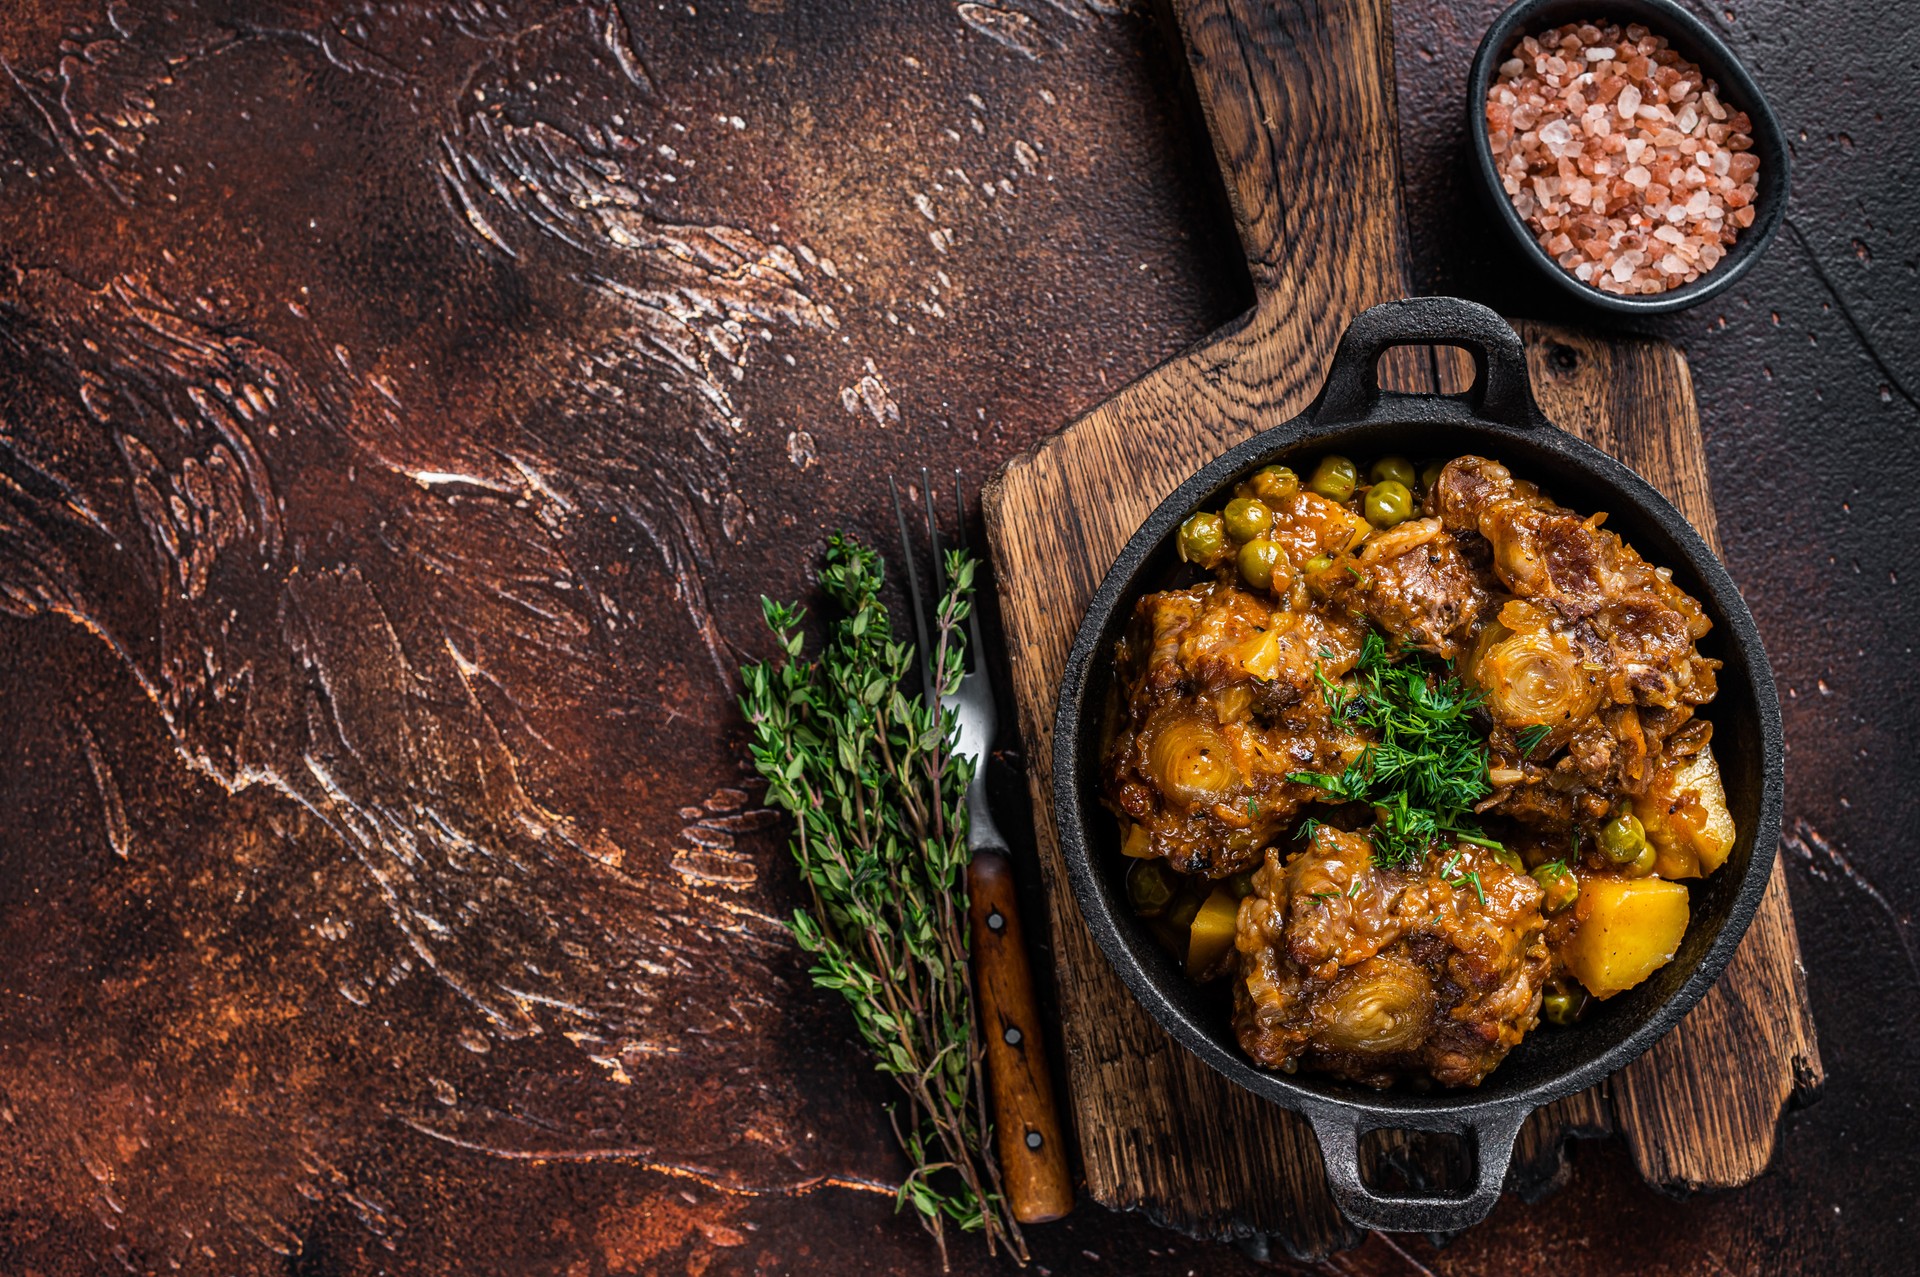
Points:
[1497,418]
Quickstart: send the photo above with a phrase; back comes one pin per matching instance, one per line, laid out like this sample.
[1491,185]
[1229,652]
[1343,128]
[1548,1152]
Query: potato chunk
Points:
[1686,818]
[1212,932]
[1624,931]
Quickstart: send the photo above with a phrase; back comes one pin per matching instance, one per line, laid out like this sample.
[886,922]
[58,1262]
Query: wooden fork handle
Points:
[1027,1135]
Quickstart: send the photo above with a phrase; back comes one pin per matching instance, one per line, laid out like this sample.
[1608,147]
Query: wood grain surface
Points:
[1026,1119]
[1158,1130]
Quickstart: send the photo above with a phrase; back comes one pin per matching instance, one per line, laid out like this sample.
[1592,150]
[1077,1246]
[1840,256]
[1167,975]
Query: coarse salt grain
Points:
[1620,157]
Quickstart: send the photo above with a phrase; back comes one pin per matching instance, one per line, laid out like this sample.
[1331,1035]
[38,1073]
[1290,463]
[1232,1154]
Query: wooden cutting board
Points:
[1299,98]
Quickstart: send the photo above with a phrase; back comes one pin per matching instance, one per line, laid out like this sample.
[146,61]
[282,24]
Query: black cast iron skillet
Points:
[1497,418]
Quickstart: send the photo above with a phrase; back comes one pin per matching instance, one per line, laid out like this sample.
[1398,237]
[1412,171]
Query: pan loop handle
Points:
[1492,1132]
[1501,392]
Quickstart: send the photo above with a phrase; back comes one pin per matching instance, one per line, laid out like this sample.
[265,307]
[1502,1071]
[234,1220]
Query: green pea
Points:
[1389,502]
[1431,475]
[1510,858]
[1247,519]
[1623,838]
[1317,564]
[1563,1003]
[1240,886]
[1559,883]
[1149,888]
[1642,864]
[1274,484]
[1398,469]
[1334,478]
[1203,539]
[1258,560]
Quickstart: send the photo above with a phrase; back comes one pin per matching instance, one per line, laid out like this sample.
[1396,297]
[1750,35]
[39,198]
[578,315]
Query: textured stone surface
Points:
[401,411]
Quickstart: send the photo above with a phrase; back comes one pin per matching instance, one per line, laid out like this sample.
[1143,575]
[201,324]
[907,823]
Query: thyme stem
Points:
[878,799]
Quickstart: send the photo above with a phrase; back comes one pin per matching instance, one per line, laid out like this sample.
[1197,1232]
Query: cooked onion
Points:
[1231,703]
[1535,678]
[1404,539]
[1509,527]
[1381,1006]
[1192,762]
[1686,817]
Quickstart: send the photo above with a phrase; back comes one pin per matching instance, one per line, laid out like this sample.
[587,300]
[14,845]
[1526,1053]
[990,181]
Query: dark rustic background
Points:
[402,409]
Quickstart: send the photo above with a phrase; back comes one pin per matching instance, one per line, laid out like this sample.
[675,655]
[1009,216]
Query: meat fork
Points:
[1033,1157]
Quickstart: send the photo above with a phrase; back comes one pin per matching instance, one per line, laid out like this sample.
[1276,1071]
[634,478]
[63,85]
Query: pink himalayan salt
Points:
[1620,156]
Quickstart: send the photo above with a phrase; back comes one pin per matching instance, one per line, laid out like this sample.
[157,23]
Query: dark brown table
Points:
[402,410]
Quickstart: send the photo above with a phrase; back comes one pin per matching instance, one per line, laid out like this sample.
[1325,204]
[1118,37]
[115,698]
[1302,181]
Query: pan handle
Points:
[1500,393]
[1492,1131]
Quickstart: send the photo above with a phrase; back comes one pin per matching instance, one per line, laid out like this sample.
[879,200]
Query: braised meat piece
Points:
[1219,703]
[1422,584]
[1374,974]
[1584,581]
[1585,653]
[1306,524]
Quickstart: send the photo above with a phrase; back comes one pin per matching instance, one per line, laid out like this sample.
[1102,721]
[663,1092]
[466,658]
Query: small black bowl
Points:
[1692,40]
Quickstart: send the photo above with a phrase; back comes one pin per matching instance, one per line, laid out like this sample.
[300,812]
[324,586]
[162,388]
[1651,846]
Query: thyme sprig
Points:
[877,794]
[1426,766]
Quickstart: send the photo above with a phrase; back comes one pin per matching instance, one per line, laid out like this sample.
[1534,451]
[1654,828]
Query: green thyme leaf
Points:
[878,797]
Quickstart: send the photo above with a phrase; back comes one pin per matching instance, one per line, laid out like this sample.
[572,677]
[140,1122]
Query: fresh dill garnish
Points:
[1339,702]
[1309,830]
[1253,808]
[1451,875]
[1427,766]
[1531,738]
[1322,895]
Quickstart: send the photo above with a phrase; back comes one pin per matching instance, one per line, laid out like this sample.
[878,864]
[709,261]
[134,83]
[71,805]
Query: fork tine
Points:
[933,538]
[976,655]
[929,691]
